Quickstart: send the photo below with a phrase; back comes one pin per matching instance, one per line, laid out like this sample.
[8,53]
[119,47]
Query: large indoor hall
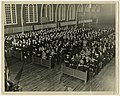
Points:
[56,47]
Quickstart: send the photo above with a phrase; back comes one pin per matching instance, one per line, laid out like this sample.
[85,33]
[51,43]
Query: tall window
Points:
[72,12]
[49,12]
[80,8]
[31,13]
[61,11]
[80,12]
[87,8]
[93,9]
[10,14]
[98,8]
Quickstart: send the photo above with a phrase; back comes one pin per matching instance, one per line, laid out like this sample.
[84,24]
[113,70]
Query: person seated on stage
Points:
[24,50]
[43,54]
[87,61]
[48,54]
[67,59]
[72,63]
[39,52]
[53,57]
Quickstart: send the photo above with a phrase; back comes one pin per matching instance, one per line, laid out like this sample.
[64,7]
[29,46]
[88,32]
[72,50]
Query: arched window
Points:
[93,9]
[80,8]
[61,12]
[49,12]
[80,12]
[98,8]
[71,11]
[31,13]
[87,8]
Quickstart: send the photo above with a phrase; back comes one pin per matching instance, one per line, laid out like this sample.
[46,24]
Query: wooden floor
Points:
[39,78]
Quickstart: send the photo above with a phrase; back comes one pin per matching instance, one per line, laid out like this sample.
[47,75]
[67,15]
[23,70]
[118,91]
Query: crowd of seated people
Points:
[78,48]
[91,49]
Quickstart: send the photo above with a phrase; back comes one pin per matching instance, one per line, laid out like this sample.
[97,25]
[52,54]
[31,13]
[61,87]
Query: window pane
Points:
[35,14]
[31,12]
[51,17]
[48,15]
[61,10]
[8,13]
[62,13]
[13,13]
[26,13]
[93,8]
[81,8]
[71,10]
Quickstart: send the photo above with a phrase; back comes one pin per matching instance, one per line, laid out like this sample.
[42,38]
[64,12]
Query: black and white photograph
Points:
[58,46]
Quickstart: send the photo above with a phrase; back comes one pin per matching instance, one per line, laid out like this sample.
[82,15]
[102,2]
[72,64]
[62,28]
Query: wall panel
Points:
[37,27]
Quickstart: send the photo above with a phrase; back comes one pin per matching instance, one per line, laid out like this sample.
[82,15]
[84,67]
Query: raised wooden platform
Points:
[39,78]
[43,62]
[75,73]
[17,54]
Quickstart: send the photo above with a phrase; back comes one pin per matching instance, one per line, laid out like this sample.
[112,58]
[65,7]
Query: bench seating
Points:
[75,73]
[43,62]
[17,54]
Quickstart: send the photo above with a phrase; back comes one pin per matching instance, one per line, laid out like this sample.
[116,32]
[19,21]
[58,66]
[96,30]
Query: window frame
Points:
[5,23]
[28,14]
[71,10]
[61,16]
[49,8]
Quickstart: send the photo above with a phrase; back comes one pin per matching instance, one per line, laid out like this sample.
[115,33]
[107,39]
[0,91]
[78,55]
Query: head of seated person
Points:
[73,58]
[82,56]
[87,58]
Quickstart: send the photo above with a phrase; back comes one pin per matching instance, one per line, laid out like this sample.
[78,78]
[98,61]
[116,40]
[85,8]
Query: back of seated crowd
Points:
[78,48]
